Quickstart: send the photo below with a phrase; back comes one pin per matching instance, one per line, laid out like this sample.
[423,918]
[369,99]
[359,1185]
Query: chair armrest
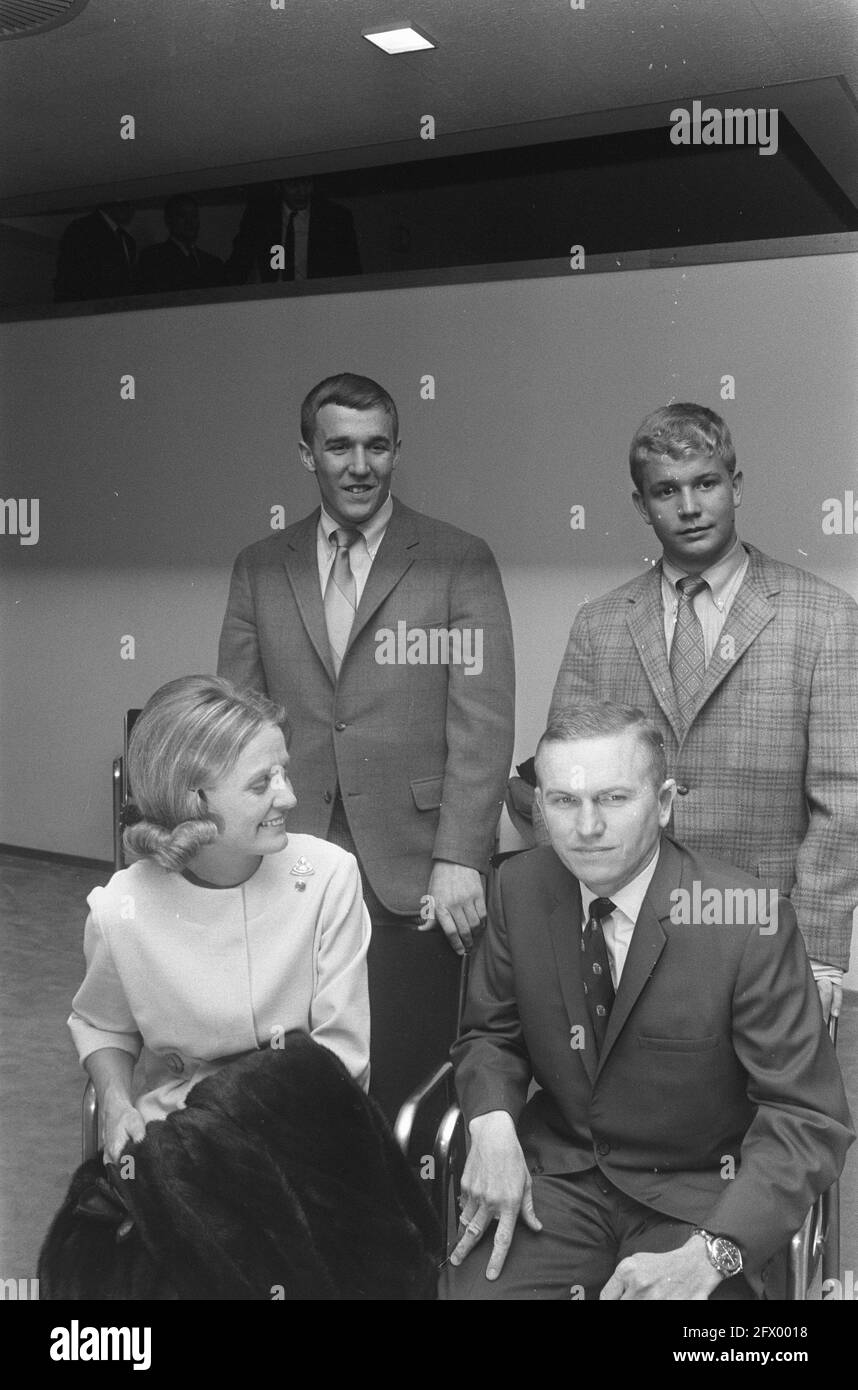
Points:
[440,1082]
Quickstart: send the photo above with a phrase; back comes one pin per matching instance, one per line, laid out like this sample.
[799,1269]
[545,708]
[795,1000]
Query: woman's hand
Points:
[123,1125]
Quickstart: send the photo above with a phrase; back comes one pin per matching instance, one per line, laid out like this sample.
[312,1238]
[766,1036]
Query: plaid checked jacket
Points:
[768,768]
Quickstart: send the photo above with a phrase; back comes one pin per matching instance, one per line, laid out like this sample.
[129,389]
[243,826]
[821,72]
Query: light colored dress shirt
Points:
[362,553]
[711,605]
[619,925]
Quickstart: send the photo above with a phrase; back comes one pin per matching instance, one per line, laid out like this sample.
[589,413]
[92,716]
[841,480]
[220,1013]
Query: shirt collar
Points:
[717,576]
[372,530]
[628,898]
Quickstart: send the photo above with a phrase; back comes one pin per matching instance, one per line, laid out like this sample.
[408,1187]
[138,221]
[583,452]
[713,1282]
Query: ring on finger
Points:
[474,1229]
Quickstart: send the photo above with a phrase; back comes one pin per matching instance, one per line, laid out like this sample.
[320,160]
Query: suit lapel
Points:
[749,613]
[302,568]
[646,629]
[395,555]
[564,926]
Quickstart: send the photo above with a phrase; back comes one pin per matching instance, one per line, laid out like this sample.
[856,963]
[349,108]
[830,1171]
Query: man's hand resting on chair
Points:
[495,1185]
[456,893]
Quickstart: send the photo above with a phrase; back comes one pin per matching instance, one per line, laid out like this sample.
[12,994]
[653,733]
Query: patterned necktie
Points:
[687,653]
[596,970]
[341,595]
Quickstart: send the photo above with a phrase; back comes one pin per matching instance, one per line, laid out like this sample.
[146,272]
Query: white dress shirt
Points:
[619,925]
[362,553]
[712,604]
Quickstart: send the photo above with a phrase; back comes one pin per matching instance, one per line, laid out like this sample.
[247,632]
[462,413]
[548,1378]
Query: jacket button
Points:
[602,1148]
[175,1063]
[681,789]
[328,798]
[339,726]
[537,1170]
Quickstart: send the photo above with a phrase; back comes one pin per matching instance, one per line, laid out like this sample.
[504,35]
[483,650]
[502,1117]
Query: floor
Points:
[42,913]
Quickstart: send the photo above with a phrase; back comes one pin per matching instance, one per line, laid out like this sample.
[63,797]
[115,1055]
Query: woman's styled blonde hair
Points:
[189,735]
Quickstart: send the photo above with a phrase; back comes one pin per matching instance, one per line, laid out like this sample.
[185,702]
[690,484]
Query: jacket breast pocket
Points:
[678,1044]
[426,792]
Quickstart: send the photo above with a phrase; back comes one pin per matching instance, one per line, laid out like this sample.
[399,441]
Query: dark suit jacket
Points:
[715,1047]
[332,247]
[421,752]
[768,768]
[91,263]
[166,267]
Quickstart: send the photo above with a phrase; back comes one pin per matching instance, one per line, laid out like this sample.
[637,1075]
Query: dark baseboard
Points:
[51,857]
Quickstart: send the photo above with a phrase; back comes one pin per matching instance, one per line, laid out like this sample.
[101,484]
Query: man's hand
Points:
[495,1185]
[460,904]
[685,1273]
[830,995]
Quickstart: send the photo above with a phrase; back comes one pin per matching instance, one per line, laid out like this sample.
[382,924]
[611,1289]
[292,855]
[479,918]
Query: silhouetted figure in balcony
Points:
[97,257]
[317,237]
[178,263]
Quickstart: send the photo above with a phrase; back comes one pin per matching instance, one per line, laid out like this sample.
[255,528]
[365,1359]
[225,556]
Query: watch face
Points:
[726,1256]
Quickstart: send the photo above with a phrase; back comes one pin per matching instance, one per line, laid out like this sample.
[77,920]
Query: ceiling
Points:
[229,91]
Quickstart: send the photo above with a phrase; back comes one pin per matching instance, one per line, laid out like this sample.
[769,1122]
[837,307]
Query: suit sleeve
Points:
[480,718]
[826,888]
[796,1144]
[239,659]
[101,1015]
[491,1062]
[339,1014]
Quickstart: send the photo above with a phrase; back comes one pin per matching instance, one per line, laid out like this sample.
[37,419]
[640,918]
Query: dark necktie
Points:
[596,970]
[341,594]
[289,248]
[687,652]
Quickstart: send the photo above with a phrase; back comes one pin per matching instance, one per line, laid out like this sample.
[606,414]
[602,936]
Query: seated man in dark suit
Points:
[690,1107]
[178,263]
[289,231]
[97,256]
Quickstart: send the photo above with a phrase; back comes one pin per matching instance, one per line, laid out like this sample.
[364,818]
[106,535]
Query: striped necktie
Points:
[341,595]
[687,652]
[596,970]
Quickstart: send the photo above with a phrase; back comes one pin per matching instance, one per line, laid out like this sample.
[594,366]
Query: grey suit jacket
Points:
[768,768]
[421,750]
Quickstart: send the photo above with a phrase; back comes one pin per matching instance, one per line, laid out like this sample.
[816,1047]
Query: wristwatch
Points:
[723,1254]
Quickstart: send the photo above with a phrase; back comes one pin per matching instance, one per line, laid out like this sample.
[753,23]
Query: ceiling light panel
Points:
[399,38]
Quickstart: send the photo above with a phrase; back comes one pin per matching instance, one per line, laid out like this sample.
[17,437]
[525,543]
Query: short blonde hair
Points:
[189,735]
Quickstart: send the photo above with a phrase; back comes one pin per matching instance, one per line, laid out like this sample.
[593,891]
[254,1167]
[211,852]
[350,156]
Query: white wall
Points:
[540,384]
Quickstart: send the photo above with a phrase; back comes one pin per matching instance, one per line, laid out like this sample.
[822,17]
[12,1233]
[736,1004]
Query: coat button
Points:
[681,789]
[601,1010]
[328,798]
[175,1063]
[339,726]
[602,1148]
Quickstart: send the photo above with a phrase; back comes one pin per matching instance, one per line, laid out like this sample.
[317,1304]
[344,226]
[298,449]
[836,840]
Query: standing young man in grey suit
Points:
[750,669]
[386,636]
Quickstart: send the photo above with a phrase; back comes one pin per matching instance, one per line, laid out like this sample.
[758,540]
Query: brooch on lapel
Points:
[303,868]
